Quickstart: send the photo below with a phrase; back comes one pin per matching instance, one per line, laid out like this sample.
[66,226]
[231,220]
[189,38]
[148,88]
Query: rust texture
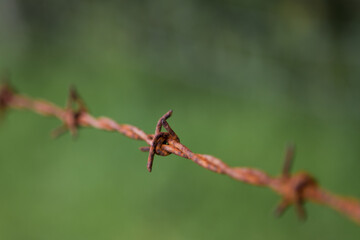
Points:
[295,189]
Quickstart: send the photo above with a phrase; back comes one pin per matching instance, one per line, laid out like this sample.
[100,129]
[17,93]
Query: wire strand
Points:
[295,189]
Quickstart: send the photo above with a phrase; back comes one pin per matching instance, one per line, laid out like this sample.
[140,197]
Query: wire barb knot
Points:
[75,107]
[159,139]
[292,187]
[6,93]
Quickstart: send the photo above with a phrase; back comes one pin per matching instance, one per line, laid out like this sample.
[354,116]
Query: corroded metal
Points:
[295,189]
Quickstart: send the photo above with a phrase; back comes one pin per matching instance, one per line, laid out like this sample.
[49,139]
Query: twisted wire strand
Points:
[295,189]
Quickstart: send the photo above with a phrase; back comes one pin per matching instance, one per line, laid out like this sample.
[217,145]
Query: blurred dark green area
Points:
[243,78]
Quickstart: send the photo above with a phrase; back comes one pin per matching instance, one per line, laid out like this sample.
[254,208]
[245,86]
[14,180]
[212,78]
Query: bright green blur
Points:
[244,78]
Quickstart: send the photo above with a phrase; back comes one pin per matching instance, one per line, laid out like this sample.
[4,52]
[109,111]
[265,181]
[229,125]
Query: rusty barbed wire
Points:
[295,189]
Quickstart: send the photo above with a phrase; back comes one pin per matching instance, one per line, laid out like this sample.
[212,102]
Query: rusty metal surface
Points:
[295,189]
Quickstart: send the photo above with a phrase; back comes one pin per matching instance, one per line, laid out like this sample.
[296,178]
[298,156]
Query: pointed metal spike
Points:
[281,208]
[150,163]
[73,131]
[151,157]
[145,149]
[73,93]
[300,210]
[57,132]
[288,161]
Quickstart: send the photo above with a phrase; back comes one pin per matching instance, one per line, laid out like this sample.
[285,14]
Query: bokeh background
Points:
[243,78]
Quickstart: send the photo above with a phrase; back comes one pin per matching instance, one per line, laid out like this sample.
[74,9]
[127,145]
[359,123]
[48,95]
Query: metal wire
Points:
[295,189]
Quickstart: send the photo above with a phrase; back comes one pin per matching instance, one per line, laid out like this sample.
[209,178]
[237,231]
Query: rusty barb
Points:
[75,107]
[295,189]
[292,187]
[159,139]
[6,94]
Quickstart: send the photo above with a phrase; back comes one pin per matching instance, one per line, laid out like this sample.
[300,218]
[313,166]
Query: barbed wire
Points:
[295,189]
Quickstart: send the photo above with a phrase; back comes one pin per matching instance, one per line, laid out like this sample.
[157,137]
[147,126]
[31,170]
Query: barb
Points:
[295,189]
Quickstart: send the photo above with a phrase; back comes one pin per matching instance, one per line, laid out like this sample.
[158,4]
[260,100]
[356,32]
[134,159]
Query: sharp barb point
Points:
[281,208]
[289,159]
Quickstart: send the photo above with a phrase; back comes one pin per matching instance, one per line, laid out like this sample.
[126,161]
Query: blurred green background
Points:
[243,78]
